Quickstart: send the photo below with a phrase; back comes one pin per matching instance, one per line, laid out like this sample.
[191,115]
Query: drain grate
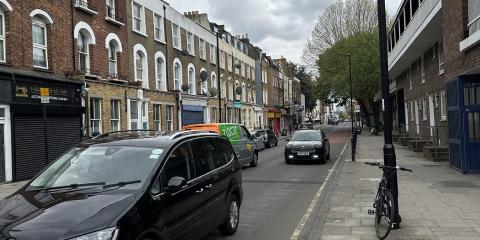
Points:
[459,184]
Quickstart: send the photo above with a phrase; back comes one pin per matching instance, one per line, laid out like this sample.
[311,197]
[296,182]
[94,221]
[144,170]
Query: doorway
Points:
[431,112]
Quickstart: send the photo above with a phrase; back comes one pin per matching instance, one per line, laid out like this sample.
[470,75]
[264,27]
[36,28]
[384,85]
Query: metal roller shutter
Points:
[29,147]
[30,154]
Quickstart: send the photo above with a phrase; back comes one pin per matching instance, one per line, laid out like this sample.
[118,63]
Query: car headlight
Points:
[288,147]
[106,234]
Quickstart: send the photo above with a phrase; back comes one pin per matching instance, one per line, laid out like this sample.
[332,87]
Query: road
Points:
[276,195]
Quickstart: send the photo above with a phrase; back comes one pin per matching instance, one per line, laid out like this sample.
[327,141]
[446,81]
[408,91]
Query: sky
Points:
[278,27]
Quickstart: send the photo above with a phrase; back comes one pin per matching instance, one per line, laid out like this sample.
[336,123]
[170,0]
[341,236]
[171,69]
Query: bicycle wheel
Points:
[383,214]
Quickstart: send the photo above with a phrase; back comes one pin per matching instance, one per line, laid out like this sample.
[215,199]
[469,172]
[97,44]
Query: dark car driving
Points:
[305,126]
[131,186]
[311,145]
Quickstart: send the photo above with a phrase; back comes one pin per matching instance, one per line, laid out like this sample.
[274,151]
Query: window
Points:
[83,53]
[412,111]
[39,35]
[134,115]
[2,36]
[138,18]
[177,76]
[443,105]
[441,67]
[222,59]
[160,76]
[144,115]
[95,116]
[169,117]
[157,117]
[115,115]
[214,115]
[176,36]
[157,27]
[213,80]
[111,9]
[473,16]
[177,165]
[191,80]
[212,54]
[190,43]
[202,49]
[422,68]
[139,66]
[207,156]
[424,109]
[112,59]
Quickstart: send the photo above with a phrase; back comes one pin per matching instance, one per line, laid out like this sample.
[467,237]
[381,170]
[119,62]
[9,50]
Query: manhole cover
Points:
[459,184]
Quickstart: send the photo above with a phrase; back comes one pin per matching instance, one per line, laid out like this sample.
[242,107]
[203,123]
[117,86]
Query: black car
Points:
[269,137]
[332,121]
[131,186]
[311,145]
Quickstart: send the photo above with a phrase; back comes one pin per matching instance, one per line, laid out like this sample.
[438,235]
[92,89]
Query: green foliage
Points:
[306,86]
[333,82]
[342,116]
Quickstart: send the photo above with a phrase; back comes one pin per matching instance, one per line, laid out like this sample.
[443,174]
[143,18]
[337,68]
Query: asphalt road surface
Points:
[276,195]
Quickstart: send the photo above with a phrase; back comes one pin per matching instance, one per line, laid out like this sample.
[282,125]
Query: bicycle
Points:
[384,204]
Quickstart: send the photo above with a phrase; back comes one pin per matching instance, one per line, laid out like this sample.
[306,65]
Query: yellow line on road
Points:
[306,216]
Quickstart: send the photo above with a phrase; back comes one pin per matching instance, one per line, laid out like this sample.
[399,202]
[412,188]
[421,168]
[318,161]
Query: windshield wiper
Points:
[74,186]
[121,184]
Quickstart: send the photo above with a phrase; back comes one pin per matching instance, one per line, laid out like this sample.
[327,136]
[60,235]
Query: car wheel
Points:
[230,224]
[323,160]
[254,161]
[328,156]
[276,143]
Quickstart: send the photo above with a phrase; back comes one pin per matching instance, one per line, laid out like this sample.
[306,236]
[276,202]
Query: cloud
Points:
[278,27]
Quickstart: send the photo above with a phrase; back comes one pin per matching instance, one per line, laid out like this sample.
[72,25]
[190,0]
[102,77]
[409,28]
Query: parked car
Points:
[131,186]
[332,121]
[312,145]
[305,126]
[259,139]
[242,141]
[270,139]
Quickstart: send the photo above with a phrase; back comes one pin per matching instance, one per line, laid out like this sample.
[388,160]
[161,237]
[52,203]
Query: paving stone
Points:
[341,222]
[338,237]
[336,231]
[455,232]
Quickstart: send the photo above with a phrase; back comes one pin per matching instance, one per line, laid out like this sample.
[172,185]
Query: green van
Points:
[242,141]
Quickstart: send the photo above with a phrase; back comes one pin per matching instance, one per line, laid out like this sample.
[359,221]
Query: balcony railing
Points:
[114,18]
[85,5]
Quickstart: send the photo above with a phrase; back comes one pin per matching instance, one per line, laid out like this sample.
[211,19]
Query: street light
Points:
[353,139]
[388,149]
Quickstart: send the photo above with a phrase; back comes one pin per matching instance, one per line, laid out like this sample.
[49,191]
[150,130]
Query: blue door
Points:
[473,140]
[192,115]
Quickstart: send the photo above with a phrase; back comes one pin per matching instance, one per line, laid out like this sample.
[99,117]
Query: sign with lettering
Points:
[32,93]
[232,132]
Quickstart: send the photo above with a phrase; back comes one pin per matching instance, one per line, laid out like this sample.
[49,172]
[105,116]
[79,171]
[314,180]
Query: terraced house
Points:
[434,62]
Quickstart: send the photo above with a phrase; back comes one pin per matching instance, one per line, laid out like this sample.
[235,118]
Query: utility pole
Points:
[388,148]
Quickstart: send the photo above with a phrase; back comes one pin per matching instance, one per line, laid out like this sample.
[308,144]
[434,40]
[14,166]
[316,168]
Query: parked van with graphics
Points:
[242,141]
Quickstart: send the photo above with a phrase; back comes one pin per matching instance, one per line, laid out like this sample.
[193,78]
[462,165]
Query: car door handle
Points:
[208,186]
[200,191]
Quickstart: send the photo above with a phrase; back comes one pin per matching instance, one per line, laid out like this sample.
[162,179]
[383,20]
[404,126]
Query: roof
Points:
[144,138]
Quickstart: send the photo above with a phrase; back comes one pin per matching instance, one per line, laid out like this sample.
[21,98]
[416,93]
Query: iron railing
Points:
[438,135]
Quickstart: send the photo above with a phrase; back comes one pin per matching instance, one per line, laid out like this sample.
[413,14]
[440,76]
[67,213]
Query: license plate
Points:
[303,154]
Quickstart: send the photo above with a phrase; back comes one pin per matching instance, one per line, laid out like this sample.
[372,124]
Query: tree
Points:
[333,82]
[306,85]
[342,19]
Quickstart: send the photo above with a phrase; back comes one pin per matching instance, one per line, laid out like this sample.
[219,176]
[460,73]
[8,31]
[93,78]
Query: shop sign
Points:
[237,104]
[30,93]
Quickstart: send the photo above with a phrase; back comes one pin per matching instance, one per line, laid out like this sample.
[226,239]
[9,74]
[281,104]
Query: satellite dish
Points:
[238,90]
[185,87]
[212,91]
[203,76]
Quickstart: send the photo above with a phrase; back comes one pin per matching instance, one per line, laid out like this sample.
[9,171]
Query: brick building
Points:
[433,51]
[273,93]
[41,98]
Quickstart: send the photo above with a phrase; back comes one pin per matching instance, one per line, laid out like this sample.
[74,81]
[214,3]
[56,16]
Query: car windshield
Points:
[307,136]
[100,164]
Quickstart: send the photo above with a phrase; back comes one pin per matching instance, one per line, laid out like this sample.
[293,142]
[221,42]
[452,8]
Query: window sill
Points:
[140,33]
[470,42]
[177,48]
[441,73]
[41,69]
[85,9]
[160,41]
[115,22]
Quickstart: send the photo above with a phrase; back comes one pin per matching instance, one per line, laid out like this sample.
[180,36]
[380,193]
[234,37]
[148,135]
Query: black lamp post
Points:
[353,139]
[388,149]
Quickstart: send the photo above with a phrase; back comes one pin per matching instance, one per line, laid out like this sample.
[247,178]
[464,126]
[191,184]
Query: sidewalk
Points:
[435,201]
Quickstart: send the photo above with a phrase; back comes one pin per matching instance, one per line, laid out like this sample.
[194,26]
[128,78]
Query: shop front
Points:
[42,120]
[194,110]
[274,116]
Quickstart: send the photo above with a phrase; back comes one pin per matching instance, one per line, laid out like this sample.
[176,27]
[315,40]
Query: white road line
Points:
[306,216]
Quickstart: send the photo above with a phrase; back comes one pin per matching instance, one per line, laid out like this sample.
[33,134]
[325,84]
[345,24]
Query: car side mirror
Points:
[176,183]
